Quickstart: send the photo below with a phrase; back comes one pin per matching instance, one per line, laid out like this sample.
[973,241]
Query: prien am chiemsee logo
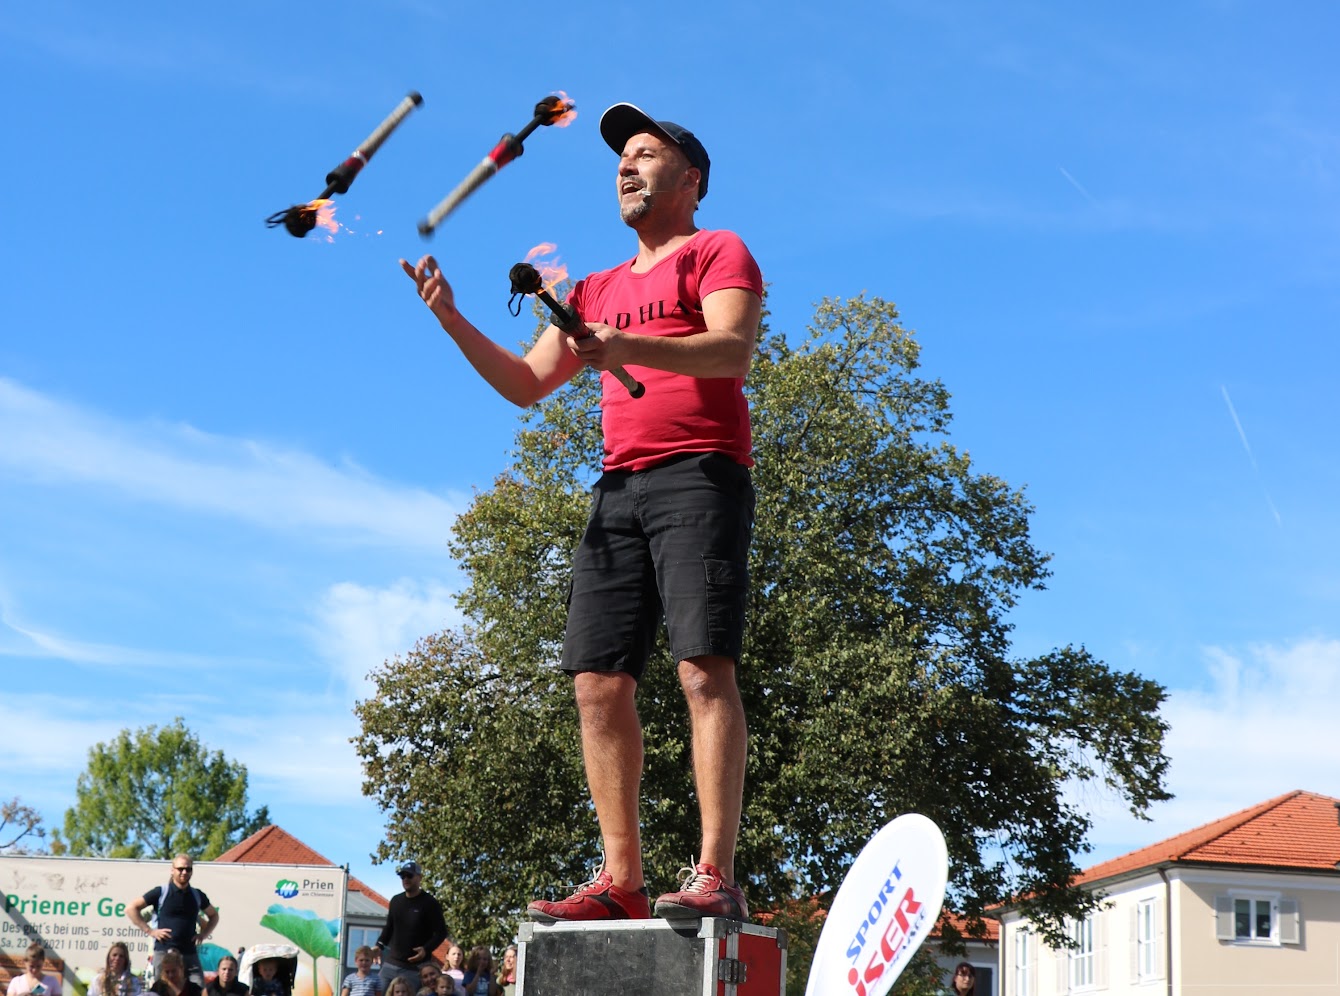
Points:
[286,888]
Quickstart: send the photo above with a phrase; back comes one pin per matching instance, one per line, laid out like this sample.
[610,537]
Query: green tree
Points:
[158,792]
[877,675]
[21,829]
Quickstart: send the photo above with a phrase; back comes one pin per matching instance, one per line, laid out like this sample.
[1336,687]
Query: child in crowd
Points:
[478,979]
[362,982]
[456,968]
[32,980]
[266,980]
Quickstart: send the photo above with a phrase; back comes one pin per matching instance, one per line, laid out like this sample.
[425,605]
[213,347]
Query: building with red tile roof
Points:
[274,845]
[365,908]
[982,953]
[1245,904]
[1298,830]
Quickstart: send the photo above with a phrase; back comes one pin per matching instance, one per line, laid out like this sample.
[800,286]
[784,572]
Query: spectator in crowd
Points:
[178,909]
[455,968]
[362,982]
[116,978]
[172,979]
[428,976]
[267,979]
[400,986]
[32,980]
[226,982]
[507,971]
[478,979]
[413,930]
[964,980]
[447,986]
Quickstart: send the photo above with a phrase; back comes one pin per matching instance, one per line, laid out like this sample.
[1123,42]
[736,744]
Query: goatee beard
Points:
[632,213]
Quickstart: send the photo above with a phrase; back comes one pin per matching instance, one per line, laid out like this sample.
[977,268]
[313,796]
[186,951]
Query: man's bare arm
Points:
[211,915]
[522,380]
[135,914]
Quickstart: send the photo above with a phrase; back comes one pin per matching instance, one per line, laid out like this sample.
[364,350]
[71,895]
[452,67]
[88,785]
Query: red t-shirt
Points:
[678,414]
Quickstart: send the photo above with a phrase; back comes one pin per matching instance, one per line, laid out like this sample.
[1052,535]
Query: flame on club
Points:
[552,270]
[569,113]
[325,216]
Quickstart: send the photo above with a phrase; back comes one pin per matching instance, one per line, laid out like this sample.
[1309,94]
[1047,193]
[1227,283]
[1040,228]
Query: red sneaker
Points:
[598,900]
[703,893]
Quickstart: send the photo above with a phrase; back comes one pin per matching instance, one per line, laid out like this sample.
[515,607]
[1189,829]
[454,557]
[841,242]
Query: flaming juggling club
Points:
[554,109]
[527,280]
[301,218]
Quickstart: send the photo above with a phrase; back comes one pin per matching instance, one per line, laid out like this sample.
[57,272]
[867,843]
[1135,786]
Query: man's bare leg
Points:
[612,751]
[720,741]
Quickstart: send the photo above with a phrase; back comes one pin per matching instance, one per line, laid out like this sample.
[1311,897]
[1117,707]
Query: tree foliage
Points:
[21,828]
[877,674]
[157,792]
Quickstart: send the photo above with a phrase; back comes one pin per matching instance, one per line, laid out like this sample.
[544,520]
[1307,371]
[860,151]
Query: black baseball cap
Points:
[622,121]
[409,868]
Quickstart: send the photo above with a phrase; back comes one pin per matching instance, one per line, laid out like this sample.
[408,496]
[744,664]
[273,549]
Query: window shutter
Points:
[1008,939]
[1290,922]
[1100,949]
[1062,956]
[1160,953]
[1135,943]
[1030,986]
[1033,948]
[1223,918]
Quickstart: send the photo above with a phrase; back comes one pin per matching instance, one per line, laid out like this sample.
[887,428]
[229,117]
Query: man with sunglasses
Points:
[413,930]
[178,912]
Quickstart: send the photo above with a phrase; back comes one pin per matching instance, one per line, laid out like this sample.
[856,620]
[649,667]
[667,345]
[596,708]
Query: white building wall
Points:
[1192,947]
[1113,966]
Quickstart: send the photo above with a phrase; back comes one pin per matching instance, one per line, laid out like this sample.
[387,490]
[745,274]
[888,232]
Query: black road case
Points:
[711,957]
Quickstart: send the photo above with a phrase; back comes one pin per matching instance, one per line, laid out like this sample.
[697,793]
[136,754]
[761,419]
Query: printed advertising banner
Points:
[886,907]
[76,908]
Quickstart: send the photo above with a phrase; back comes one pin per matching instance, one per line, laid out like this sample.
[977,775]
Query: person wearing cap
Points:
[414,928]
[672,514]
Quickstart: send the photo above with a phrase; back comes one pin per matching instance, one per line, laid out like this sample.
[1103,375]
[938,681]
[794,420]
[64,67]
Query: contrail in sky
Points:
[1250,456]
[1077,185]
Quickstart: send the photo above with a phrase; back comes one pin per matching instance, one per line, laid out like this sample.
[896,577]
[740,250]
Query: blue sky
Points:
[229,460]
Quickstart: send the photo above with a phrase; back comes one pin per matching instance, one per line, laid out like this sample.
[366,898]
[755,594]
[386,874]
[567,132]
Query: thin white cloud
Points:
[1242,435]
[55,443]
[296,747]
[358,627]
[1237,422]
[1077,185]
[21,638]
[54,736]
[1261,726]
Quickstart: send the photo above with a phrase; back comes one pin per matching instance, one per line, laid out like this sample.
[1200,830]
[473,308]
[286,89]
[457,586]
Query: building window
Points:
[1081,955]
[1023,968]
[359,937]
[1257,918]
[1146,935]
[1252,919]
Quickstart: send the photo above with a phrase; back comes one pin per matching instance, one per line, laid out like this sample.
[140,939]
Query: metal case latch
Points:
[732,971]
